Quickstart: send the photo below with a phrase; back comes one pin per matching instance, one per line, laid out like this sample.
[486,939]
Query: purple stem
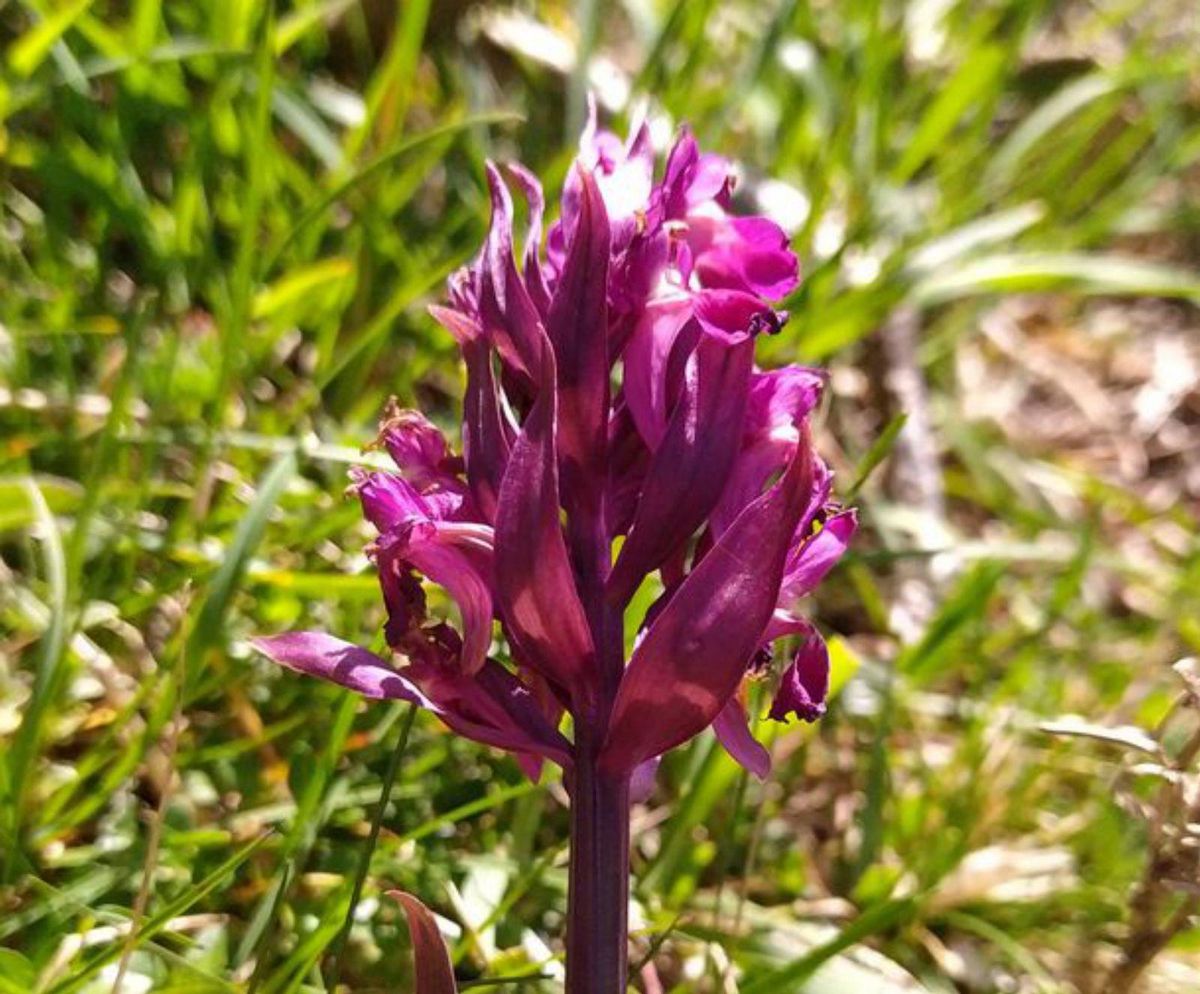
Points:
[598,889]
[598,898]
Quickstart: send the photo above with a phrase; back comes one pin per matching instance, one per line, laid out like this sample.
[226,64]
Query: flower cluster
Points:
[614,426]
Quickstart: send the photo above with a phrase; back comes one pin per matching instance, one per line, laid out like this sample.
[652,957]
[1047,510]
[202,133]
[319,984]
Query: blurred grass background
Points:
[220,223]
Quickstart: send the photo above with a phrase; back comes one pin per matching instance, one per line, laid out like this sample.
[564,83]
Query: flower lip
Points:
[805,683]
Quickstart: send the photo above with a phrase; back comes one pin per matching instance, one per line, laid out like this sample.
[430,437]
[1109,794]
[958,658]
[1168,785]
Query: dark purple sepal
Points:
[577,325]
[690,467]
[348,665]
[695,653]
[509,318]
[432,971]
[486,433]
[535,278]
[535,587]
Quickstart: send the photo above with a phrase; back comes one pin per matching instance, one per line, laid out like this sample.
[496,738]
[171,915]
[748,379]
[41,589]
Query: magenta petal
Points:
[388,500]
[751,472]
[628,460]
[677,178]
[534,583]
[493,708]
[742,253]
[465,578]
[344,663]
[578,329]
[623,171]
[689,470]
[520,711]
[805,683]
[783,396]
[695,653]
[733,732]
[647,355]
[734,316]
[531,765]
[816,556]
[778,403]
[486,433]
[416,445]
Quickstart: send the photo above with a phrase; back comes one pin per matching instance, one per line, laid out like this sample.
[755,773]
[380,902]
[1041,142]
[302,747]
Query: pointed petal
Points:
[578,324]
[388,500]
[431,961]
[777,405]
[493,707]
[805,683]
[816,556]
[419,449]
[690,468]
[783,396]
[510,318]
[628,460]
[681,164]
[534,583]
[647,356]
[525,712]
[486,433]
[344,663]
[535,280]
[530,765]
[465,576]
[733,732]
[415,443]
[696,651]
[624,175]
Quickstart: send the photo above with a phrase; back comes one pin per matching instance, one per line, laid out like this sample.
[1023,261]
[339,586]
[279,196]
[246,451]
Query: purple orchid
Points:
[612,403]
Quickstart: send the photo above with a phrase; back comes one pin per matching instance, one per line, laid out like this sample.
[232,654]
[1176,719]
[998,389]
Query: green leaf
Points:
[46,680]
[967,603]
[874,920]
[31,49]
[17,974]
[157,922]
[18,511]
[210,623]
[880,449]
[977,75]
[297,285]
[1044,122]
[1025,272]
[296,24]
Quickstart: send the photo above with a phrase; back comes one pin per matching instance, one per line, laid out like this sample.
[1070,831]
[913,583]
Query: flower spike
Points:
[615,432]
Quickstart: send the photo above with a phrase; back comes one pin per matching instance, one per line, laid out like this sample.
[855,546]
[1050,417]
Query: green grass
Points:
[220,225]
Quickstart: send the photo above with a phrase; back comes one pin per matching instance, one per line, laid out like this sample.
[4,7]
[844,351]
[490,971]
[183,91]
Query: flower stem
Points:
[598,899]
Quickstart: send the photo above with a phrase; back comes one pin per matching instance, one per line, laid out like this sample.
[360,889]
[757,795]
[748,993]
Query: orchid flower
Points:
[616,431]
